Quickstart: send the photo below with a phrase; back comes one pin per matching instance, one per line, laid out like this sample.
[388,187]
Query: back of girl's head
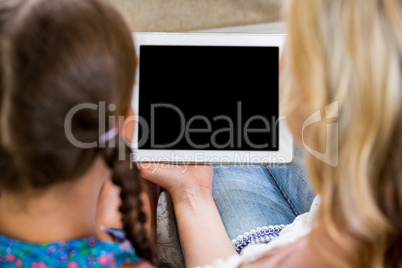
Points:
[56,55]
[350,53]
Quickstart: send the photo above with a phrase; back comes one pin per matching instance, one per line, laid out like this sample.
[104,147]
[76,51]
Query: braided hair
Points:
[127,177]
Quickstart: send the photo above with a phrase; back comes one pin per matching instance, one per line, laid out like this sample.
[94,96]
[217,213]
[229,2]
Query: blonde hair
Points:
[350,52]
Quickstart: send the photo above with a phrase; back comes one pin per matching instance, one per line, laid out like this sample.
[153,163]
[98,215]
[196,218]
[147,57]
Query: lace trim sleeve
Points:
[260,235]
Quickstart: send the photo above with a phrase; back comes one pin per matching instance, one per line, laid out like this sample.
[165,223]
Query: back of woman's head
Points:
[55,55]
[350,53]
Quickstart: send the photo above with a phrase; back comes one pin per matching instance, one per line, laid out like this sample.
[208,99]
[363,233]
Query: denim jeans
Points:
[254,196]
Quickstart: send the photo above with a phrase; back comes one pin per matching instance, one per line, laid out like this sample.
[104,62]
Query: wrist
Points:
[190,193]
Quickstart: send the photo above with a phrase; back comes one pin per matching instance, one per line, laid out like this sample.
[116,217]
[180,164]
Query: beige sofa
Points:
[192,15]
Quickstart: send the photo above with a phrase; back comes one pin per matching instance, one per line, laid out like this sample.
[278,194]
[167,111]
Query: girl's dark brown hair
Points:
[55,55]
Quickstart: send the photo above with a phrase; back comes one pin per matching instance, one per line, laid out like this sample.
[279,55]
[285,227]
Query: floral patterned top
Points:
[88,252]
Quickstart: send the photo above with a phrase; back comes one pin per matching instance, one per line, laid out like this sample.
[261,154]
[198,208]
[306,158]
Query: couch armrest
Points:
[167,236]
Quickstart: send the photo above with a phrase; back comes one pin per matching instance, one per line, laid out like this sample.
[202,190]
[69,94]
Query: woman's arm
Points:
[202,232]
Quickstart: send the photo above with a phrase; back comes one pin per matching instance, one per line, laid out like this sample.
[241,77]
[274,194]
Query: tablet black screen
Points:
[208,98]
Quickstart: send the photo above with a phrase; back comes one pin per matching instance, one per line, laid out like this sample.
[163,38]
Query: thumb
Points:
[148,171]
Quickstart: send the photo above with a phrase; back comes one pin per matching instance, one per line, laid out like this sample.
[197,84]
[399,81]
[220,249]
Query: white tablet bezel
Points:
[285,153]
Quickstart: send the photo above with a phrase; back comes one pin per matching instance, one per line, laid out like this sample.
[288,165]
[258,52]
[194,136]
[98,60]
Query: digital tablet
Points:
[209,98]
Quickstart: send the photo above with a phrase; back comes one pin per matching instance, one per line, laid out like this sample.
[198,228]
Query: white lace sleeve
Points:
[289,234]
